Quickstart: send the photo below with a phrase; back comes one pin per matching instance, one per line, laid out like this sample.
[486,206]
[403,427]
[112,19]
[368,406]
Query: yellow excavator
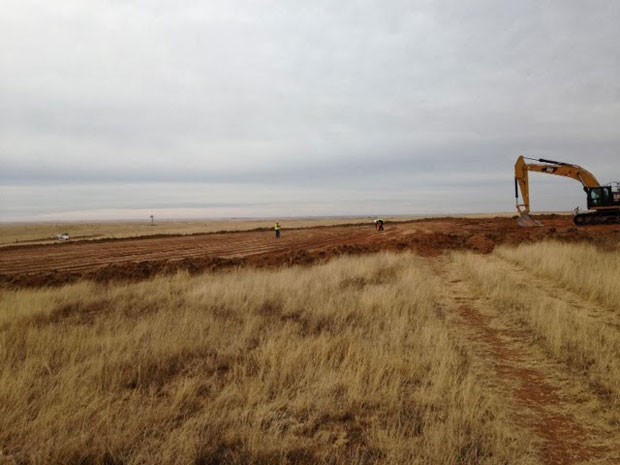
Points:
[603,201]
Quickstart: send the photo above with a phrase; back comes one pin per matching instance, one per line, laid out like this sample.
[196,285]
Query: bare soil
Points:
[139,258]
[557,404]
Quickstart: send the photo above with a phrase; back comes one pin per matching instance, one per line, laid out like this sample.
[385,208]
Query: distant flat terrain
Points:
[142,257]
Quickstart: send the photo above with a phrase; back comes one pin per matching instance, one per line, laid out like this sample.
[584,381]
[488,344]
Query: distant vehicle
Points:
[63,237]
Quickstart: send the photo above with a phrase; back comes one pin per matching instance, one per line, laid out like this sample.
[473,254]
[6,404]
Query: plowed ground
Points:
[139,258]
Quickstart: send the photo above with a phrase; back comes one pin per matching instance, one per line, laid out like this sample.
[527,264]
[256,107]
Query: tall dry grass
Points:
[552,301]
[346,362]
[583,268]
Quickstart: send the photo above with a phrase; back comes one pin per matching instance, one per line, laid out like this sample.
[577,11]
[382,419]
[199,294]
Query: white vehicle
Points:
[63,237]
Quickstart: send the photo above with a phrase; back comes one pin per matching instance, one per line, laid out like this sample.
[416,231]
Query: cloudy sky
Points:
[126,108]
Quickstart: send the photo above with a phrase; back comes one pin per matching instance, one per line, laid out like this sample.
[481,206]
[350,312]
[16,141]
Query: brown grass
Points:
[581,267]
[567,296]
[346,362]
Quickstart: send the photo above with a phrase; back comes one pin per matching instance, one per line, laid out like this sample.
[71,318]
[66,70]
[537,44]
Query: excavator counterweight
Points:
[603,201]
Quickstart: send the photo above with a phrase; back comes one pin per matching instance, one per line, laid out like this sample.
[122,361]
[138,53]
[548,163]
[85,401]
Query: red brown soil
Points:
[563,437]
[141,258]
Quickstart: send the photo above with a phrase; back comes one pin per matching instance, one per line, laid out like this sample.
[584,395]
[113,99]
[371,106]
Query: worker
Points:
[379,224]
[277,229]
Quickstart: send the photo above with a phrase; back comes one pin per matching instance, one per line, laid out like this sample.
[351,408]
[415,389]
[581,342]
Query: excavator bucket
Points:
[526,221]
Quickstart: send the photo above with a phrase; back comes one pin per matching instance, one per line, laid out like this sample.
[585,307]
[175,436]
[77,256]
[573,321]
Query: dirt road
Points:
[137,258]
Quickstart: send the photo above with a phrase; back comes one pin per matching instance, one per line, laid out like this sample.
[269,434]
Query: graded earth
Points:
[143,257]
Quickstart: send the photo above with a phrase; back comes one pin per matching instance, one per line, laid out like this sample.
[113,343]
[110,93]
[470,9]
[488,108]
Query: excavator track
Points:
[596,218]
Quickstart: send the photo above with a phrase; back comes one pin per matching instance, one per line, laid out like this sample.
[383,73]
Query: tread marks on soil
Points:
[533,383]
[559,291]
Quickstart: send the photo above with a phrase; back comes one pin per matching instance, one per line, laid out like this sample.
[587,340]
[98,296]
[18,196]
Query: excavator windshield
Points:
[600,197]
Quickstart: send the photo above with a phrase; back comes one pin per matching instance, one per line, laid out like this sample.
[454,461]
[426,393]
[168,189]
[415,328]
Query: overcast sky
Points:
[126,108]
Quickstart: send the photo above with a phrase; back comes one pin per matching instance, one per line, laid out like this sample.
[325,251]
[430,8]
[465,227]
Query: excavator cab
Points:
[602,196]
[615,191]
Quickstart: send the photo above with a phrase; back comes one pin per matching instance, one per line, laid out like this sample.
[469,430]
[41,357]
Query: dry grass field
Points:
[388,358]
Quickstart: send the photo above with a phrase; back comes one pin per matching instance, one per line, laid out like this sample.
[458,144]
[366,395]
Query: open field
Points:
[384,358]
[440,340]
[139,258]
[45,233]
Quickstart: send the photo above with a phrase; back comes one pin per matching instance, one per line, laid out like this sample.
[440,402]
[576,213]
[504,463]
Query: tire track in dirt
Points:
[559,291]
[544,398]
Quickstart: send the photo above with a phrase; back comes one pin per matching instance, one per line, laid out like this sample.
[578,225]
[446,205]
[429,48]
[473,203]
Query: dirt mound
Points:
[481,243]
[431,244]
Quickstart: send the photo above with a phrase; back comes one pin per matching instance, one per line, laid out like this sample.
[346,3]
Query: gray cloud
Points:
[422,99]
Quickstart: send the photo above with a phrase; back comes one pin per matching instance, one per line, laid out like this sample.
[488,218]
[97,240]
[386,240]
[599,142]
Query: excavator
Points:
[603,201]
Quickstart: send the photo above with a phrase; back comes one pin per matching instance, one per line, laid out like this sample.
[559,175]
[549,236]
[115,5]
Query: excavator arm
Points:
[522,169]
[603,200]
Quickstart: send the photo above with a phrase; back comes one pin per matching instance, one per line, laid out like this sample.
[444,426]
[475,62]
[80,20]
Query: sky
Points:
[121,109]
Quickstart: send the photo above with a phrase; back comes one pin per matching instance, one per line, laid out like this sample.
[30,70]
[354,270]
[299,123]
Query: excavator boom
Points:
[604,200]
